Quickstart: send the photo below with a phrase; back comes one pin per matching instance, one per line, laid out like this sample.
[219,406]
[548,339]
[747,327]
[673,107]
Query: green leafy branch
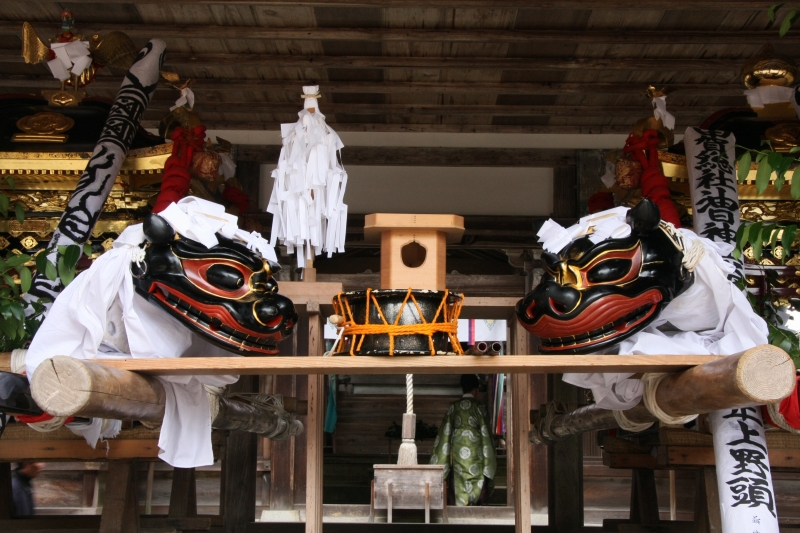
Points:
[789,17]
[20,317]
[769,162]
[758,235]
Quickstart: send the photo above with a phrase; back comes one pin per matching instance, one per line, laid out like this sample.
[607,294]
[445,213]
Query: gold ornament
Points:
[4,242]
[108,244]
[784,136]
[44,127]
[28,242]
[769,68]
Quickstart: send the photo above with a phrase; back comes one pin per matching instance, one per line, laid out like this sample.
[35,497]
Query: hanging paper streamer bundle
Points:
[309,215]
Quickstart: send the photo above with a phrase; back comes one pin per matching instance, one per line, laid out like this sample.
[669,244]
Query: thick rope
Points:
[353,330]
[626,424]
[18,361]
[651,382]
[409,393]
[773,410]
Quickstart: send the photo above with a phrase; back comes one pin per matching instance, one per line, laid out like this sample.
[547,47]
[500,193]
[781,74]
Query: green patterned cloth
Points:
[465,444]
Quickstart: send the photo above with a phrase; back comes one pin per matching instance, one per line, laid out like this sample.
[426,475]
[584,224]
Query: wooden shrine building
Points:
[502,112]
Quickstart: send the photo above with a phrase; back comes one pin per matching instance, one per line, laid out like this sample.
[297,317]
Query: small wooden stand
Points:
[413,248]
[408,487]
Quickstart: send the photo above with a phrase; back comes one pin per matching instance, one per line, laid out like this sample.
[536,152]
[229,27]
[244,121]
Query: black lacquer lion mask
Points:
[225,293]
[593,296]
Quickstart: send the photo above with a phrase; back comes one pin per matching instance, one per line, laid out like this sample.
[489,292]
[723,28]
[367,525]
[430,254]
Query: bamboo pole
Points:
[63,386]
[758,376]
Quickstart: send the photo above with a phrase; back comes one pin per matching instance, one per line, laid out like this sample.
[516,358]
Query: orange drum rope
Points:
[357,332]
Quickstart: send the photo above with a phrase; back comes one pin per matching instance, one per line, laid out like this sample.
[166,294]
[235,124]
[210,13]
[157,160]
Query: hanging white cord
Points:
[409,393]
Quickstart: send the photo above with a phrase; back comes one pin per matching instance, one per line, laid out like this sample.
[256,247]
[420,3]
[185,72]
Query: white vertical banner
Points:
[744,479]
[710,160]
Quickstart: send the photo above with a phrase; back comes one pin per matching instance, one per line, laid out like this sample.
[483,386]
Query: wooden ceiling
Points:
[576,66]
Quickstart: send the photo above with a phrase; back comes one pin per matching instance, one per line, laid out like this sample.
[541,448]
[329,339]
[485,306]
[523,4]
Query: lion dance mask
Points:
[594,295]
[225,293]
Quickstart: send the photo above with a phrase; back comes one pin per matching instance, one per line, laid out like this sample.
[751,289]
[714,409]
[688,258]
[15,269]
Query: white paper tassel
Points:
[307,201]
[71,57]
[660,112]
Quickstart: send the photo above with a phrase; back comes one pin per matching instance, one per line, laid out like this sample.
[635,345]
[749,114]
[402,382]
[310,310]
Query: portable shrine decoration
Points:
[412,313]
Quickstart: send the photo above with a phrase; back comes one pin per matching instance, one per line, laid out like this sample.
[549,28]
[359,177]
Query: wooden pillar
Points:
[183,496]
[238,496]
[565,192]
[520,455]
[120,503]
[316,416]
[565,494]
[282,458]
[538,454]
[519,443]
[591,165]
[6,497]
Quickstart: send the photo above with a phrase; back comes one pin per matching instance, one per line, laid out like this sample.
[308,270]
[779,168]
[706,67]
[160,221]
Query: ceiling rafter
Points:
[212,86]
[472,63]
[577,36]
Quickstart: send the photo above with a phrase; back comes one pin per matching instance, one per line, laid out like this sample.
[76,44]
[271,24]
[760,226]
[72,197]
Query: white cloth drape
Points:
[77,325]
[307,201]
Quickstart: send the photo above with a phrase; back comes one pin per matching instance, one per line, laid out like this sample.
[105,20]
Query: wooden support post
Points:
[706,511]
[6,495]
[120,503]
[521,458]
[644,500]
[518,443]
[148,494]
[89,480]
[315,419]
[565,506]
[238,498]
[427,502]
[183,496]
[389,502]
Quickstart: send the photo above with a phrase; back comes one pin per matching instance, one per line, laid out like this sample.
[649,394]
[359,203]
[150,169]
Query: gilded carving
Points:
[28,242]
[43,127]
[4,242]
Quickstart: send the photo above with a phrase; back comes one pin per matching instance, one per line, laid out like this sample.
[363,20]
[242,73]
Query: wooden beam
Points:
[63,386]
[424,156]
[731,65]
[634,111]
[212,90]
[170,32]
[409,365]
[215,123]
[316,416]
[758,376]
[511,4]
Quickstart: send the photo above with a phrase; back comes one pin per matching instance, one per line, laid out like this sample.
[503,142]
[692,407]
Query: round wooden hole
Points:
[413,254]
